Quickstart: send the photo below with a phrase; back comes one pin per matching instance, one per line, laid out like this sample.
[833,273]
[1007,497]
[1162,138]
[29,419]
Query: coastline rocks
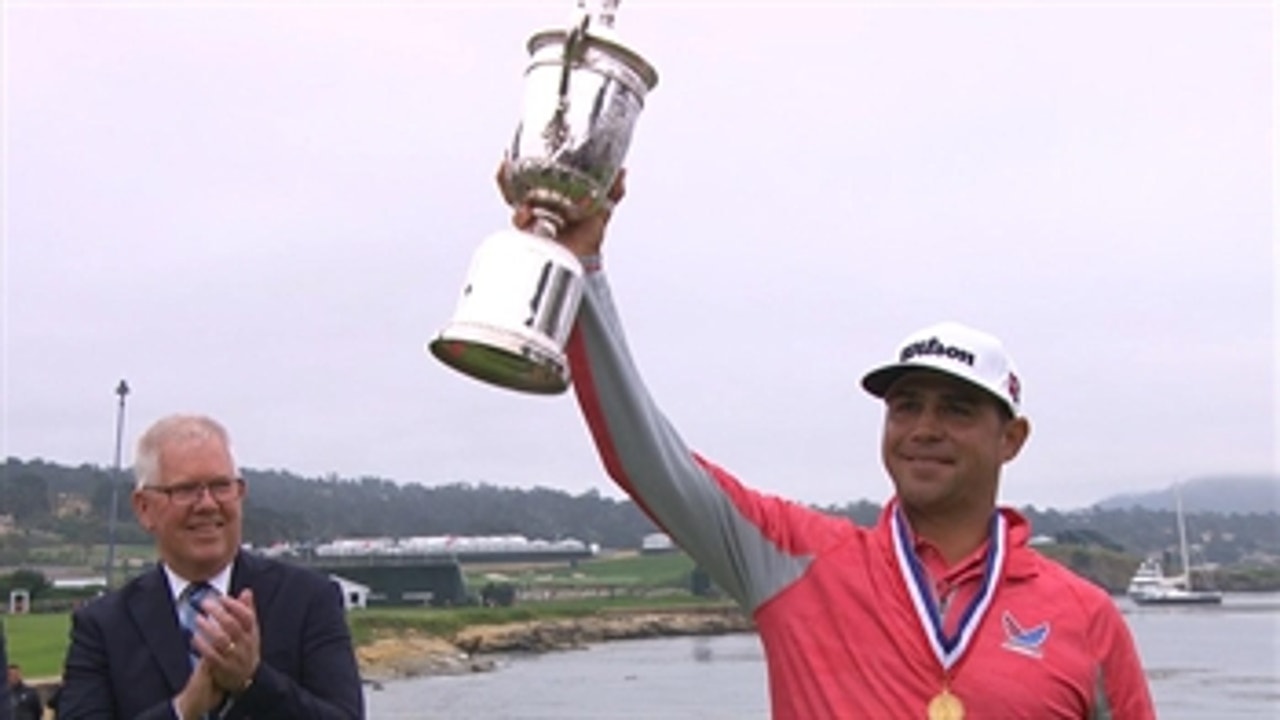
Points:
[413,655]
[549,635]
[416,654]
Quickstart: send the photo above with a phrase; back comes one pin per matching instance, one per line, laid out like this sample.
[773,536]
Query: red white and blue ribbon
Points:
[948,648]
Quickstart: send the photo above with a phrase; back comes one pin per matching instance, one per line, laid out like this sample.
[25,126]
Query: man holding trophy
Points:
[940,611]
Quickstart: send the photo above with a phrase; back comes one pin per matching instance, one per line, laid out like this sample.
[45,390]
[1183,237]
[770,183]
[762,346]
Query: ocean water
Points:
[1212,662]
[1203,664]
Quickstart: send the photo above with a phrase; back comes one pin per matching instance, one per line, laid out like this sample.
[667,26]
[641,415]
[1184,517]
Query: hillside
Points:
[1216,494]
[50,511]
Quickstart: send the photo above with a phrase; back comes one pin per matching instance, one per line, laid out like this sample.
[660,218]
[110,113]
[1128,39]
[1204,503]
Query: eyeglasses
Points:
[220,490]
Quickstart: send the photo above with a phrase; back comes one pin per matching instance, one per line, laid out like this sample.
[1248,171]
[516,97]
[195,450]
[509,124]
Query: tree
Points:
[33,581]
[24,495]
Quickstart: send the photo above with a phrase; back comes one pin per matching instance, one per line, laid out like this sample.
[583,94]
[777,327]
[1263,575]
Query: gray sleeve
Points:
[708,513]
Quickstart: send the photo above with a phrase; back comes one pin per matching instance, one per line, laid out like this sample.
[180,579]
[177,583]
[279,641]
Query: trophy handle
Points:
[604,13]
[556,132]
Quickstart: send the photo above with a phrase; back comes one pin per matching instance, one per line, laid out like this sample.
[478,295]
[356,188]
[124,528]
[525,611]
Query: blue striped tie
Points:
[188,608]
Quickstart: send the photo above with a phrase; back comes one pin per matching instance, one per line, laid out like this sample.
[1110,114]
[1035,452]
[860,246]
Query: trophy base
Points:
[500,357]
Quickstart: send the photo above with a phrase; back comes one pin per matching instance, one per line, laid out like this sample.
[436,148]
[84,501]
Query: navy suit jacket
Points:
[6,709]
[127,657]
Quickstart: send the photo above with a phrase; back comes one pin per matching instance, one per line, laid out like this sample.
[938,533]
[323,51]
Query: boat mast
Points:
[1182,536]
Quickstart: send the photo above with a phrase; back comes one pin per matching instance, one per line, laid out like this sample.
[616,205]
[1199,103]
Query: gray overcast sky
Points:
[263,210]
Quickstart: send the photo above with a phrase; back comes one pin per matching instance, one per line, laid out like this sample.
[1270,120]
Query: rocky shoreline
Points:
[479,648]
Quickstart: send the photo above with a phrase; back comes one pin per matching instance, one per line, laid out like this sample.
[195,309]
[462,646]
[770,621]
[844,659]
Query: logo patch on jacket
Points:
[1028,641]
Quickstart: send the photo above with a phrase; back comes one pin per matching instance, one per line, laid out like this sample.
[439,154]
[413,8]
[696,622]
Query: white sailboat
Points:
[1150,586]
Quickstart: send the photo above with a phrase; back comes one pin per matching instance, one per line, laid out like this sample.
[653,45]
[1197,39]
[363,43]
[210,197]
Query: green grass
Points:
[38,642]
[662,570]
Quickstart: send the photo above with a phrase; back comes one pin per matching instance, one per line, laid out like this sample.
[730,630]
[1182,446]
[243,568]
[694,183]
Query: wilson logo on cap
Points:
[933,347]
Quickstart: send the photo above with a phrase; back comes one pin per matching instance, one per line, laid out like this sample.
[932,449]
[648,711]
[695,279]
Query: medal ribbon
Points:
[948,648]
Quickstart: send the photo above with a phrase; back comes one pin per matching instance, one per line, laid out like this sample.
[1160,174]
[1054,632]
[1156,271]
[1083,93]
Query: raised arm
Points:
[751,544]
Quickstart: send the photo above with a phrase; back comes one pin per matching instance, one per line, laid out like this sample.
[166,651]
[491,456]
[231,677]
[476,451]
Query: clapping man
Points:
[211,631]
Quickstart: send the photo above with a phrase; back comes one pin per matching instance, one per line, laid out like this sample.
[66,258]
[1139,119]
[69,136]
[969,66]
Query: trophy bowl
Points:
[583,93]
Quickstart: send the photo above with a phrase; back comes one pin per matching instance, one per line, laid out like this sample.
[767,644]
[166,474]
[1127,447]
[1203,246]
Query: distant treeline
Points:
[53,503]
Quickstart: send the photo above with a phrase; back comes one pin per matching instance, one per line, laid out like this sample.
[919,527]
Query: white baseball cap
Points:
[956,350]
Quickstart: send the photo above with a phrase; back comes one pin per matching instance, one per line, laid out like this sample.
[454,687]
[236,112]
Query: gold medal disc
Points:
[945,706]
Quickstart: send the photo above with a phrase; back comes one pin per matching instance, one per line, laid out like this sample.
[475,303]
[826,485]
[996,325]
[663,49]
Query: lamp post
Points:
[121,391]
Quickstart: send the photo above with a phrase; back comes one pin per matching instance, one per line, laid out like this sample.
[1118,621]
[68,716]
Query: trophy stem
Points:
[546,223]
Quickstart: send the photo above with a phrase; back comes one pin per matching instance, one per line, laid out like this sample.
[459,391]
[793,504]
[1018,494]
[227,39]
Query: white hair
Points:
[168,431]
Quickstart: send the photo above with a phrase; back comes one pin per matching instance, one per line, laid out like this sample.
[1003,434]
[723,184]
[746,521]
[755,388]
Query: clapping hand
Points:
[229,641]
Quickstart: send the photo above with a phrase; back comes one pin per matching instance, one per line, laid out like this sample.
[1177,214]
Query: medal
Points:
[945,706]
[948,648]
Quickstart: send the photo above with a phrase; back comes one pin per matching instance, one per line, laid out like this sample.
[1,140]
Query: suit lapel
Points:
[151,608]
[253,573]
[246,572]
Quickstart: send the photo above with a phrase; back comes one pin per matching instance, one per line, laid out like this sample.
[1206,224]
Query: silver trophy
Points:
[583,93]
